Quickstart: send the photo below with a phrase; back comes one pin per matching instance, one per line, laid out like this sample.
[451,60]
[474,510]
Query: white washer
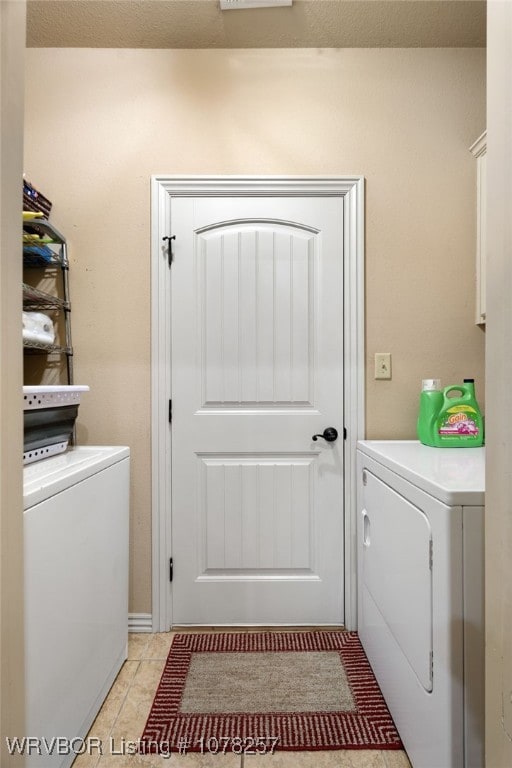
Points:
[76,522]
[420,594]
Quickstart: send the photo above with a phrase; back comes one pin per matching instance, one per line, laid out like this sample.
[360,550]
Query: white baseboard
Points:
[140,622]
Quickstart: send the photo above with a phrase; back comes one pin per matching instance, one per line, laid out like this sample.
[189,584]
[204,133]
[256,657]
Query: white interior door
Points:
[257,370]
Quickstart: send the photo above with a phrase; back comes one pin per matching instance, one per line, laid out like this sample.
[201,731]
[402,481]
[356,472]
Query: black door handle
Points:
[330,434]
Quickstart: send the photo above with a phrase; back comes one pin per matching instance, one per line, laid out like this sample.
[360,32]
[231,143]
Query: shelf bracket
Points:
[169,239]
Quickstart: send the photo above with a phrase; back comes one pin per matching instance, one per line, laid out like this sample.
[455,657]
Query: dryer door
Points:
[396,570]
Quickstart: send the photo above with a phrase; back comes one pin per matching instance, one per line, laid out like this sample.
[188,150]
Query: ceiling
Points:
[307,24]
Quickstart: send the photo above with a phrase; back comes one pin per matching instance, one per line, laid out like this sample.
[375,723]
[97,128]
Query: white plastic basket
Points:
[48,433]
[45,396]
[44,453]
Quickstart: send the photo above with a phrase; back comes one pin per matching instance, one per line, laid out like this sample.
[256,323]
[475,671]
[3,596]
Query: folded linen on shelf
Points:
[38,327]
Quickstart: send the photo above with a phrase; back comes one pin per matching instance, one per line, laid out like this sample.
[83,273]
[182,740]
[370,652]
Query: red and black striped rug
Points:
[259,692]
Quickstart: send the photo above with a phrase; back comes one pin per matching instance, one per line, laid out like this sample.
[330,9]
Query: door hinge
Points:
[430,554]
[169,239]
[170,411]
[344,433]
[171,569]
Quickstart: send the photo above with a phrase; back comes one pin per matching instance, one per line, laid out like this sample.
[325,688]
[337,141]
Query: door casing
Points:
[163,187]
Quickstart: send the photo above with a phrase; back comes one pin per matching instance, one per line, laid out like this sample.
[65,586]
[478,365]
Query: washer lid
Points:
[48,477]
[455,476]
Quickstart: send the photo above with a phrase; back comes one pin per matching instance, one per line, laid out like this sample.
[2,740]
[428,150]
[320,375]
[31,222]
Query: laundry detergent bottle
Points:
[431,402]
[459,423]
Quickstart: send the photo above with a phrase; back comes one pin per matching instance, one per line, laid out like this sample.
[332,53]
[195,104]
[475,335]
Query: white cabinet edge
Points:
[480,145]
[479,150]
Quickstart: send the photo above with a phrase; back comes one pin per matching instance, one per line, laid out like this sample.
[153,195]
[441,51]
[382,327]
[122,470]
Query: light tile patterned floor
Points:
[123,715]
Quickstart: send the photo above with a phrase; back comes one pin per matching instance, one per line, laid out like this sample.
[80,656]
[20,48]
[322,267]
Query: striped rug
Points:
[259,692]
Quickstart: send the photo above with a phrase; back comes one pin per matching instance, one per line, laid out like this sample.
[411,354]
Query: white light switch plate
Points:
[383,365]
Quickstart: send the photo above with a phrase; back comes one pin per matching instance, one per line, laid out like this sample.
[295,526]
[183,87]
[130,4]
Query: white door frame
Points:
[351,189]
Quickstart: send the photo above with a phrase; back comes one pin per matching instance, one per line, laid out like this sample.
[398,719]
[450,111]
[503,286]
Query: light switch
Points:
[383,365]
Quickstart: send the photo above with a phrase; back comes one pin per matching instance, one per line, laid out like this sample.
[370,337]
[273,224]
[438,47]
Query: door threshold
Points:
[258,628]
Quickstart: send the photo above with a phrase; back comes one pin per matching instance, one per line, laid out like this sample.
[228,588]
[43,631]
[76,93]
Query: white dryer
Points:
[420,594]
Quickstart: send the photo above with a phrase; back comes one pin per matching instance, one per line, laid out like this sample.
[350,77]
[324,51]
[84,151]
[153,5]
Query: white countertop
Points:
[455,476]
[48,477]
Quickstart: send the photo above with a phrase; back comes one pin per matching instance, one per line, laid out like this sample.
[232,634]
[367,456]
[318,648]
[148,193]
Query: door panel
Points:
[256,291]
[256,514]
[257,369]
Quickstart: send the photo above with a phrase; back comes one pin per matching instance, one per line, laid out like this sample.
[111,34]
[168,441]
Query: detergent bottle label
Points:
[460,420]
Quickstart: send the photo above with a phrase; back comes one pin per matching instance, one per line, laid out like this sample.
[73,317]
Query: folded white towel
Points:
[38,327]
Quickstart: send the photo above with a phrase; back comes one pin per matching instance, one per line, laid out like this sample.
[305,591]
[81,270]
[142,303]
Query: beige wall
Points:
[99,122]
[12,45]
[498,519]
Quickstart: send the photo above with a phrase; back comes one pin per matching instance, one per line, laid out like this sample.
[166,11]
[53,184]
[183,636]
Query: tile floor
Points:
[123,715]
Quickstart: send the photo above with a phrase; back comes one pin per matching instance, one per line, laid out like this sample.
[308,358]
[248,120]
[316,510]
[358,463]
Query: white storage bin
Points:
[49,414]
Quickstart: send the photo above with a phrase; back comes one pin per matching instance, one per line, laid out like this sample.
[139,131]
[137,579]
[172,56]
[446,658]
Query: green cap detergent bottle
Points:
[431,400]
[450,418]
